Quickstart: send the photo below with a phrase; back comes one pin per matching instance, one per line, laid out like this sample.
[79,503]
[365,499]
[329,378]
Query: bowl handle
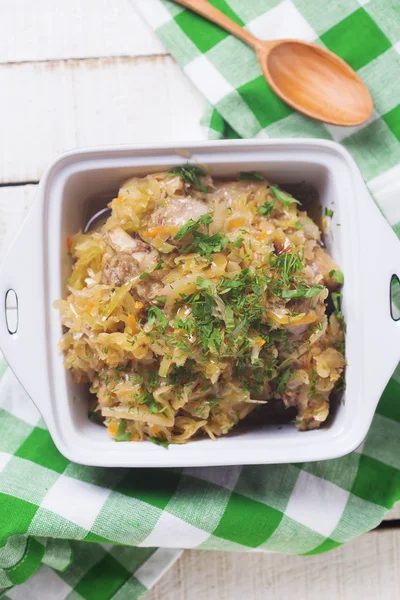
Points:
[23,271]
[380,249]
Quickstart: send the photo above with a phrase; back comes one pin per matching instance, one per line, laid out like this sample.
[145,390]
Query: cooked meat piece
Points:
[311,230]
[178,212]
[120,240]
[119,269]
[324,264]
[142,253]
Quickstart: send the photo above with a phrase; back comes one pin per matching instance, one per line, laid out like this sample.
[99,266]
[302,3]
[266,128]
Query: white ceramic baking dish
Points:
[36,267]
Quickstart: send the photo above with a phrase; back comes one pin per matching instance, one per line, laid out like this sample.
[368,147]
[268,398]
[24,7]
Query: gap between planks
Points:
[52,62]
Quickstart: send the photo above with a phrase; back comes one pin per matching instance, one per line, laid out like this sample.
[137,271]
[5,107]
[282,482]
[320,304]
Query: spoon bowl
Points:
[309,78]
[316,82]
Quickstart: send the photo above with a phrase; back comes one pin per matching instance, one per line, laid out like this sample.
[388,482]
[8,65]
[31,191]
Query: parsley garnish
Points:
[329,212]
[148,399]
[159,441]
[159,265]
[285,199]
[206,245]
[152,380]
[203,284]
[96,417]
[190,174]
[237,243]
[302,292]
[154,315]
[267,208]
[341,384]
[122,435]
[144,275]
[203,244]
[336,300]
[105,350]
[192,226]
[250,176]
[337,275]
[283,380]
[161,299]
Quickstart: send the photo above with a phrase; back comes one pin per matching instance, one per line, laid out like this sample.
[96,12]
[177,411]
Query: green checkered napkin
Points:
[84,532]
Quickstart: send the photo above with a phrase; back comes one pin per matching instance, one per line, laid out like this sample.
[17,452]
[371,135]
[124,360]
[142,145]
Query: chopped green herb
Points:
[154,315]
[122,435]
[105,350]
[267,208]
[144,275]
[159,441]
[190,174]
[336,299]
[341,384]
[285,199]
[203,284]
[250,176]
[192,226]
[229,319]
[287,264]
[237,243]
[337,275]
[96,417]
[303,292]
[150,402]
[152,380]
[206,245]
[159,265]
[329,212]
[298,225]
[161,299]
[283,380]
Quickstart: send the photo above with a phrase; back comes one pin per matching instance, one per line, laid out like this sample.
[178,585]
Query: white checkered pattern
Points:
[317,503]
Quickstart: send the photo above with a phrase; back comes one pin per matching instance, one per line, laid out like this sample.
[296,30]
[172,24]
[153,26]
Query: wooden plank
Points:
[14,205]
[366,568]
[394,514]
[49,107]
[56,29]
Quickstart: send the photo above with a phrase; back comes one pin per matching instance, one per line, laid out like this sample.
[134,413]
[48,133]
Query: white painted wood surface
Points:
[49,107]
[366,569]
[57,29]
[75,73]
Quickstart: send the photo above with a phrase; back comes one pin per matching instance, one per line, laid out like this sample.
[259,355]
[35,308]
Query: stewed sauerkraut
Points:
[199,300]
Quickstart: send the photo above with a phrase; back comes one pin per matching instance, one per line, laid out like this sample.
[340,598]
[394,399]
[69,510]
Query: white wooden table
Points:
[76,73]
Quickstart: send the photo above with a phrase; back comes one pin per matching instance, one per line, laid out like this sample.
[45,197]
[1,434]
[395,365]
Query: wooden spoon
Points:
[311,79]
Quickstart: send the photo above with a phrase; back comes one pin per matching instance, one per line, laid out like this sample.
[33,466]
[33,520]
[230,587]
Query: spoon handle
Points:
[208,11]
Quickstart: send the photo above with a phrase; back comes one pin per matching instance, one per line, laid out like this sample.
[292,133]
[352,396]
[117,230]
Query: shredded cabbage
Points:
[196,302]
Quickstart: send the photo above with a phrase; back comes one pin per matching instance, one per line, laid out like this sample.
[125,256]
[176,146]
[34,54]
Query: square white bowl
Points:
[361,241]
